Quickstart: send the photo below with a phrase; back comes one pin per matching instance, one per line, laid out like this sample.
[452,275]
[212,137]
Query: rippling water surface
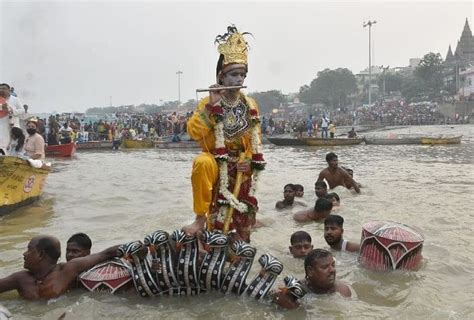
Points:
[123,195]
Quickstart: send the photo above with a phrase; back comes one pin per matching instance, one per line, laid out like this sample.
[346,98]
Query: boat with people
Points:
[61,150]
[20,182]
[441,140]
[137,144]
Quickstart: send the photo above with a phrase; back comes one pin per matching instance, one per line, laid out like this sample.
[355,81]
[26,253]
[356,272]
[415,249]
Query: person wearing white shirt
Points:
[15,107]
[324,127]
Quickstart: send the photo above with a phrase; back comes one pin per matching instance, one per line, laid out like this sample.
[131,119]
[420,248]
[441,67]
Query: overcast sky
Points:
[72,55]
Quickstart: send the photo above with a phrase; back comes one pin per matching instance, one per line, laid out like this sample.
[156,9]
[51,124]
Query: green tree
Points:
[393,82]
[430,70]
[413,89]
[190,104]
[331,87]
[268,100]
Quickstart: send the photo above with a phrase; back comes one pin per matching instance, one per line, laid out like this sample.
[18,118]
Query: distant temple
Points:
[458,63]
[464,54]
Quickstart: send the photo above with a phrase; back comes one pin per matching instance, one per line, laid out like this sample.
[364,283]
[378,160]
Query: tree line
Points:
[335,88]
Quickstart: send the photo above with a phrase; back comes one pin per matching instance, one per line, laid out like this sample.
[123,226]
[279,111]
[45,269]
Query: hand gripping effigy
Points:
[264,280]
[241,262]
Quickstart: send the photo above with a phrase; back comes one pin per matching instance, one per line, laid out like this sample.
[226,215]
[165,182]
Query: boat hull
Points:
[92,145]
[61,150]
[451,140]
[333,142]
[20,184]
[395,141]
[137,144]
[287,141]
[177,145]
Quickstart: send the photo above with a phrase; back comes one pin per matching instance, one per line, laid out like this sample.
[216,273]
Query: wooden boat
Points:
[333,141]
[191,144]
[61,150]
[441,140]
[393,141]
[137,144]
[92,145]
[287,141]
[20,183]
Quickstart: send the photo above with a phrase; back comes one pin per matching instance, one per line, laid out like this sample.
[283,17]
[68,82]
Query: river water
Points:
[118,196]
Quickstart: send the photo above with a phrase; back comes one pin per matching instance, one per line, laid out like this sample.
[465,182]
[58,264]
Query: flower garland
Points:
[222,157]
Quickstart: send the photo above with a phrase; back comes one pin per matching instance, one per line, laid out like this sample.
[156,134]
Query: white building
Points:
[467,84]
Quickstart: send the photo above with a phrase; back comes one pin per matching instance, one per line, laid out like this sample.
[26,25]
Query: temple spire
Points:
[466,32]
[449,55]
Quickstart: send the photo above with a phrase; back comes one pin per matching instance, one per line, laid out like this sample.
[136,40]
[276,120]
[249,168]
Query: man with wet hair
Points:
[320,270]
[336,176]
[288,197]
[44,277]
[78,245]
[333,232]
[320,189]
[335,199]
[300,244]
[299,190]
[322,210]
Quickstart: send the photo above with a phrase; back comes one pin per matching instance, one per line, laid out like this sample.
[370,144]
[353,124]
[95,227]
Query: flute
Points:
[220,88]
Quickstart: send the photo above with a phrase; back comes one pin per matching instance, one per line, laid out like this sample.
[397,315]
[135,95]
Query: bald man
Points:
[44,278]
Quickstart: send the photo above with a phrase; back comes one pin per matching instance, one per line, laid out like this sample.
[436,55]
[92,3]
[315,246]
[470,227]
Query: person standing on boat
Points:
[309,125]
[15,107]
[34,144]
[332,129]
[226,125]
[324,126]
[66,133]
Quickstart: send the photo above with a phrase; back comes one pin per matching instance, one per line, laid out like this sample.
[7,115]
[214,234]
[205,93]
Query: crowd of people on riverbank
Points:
[65,128]
[389,113]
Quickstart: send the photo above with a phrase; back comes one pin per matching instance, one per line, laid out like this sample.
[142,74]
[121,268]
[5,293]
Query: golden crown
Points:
[233,46]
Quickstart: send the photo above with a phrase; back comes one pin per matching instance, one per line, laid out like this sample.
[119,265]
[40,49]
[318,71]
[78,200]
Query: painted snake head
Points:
[295,287]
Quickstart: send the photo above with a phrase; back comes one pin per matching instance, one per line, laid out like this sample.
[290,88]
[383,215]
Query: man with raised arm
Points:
[336,176]
[44,277]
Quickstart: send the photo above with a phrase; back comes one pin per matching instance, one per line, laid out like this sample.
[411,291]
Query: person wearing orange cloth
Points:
[227,127]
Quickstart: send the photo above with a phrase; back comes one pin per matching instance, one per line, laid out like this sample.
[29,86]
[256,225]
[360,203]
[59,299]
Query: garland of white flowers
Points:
[222,159]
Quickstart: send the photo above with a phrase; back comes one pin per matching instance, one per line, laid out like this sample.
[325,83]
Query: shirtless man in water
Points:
[44,278]
[320,269]
[336,176]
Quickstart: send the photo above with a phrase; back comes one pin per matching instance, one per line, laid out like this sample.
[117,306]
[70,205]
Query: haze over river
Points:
[119,196]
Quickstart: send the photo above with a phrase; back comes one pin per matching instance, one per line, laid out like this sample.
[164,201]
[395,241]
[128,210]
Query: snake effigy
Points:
[262,283]
[162,258]
[169,265]
[212,267]
[187,264]
[241,262]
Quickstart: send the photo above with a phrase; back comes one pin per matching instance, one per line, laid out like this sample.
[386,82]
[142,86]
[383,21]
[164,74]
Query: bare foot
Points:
[195,227]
